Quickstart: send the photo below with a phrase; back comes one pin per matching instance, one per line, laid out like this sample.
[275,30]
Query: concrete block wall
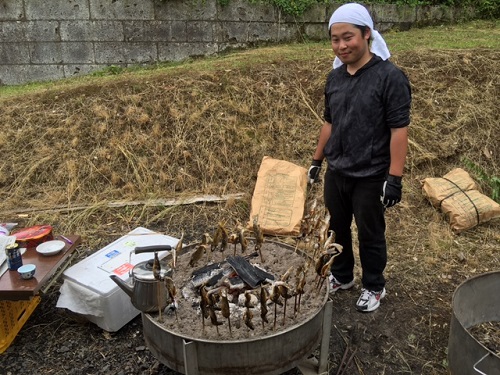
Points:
[55,39]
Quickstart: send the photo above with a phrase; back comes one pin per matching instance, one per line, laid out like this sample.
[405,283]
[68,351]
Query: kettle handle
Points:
[153,248]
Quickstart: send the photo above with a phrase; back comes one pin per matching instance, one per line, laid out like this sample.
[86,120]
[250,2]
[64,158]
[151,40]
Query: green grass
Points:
[476,34]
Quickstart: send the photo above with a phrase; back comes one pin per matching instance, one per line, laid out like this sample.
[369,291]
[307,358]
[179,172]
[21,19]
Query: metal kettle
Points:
[147,290]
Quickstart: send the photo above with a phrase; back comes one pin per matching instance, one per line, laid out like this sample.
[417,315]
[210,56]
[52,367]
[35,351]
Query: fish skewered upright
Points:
[275,297]
[224,307]
[324,263]
[264,296]
[259,236]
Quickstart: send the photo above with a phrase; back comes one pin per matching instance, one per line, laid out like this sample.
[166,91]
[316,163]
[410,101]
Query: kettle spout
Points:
[123,285]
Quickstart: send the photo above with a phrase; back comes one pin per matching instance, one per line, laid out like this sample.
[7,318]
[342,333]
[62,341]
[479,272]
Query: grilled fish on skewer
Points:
[284,291]
[224,241]
[325,271]
[259,236]
[156,267]
[330,239]
[248,299]
[275,297]
[216,239]
[264,296]
[247,318]
[322,260]
[242,238]
[224,307]
[177,251]
[206,239]
[233,239]
[324,228]
[198,253]
[287,274]
[157,276]
[204,304]
[325,262]
[299,289]
[213,318]
[172,292]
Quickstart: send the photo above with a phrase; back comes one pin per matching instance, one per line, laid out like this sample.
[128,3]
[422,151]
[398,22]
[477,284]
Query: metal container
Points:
[266,355]
[475,301]
[14,258]
[273,354]
[148,292]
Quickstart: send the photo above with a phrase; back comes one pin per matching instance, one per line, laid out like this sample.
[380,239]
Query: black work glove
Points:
[391,191]
[313,172]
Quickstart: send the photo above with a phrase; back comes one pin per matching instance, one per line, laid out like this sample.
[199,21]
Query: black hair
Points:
[363,29]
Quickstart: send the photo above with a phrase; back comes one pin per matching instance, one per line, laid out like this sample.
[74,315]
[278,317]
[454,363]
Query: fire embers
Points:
[238,287]
[241,305]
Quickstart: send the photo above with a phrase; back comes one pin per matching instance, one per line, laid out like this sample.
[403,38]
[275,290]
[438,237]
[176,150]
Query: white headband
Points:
[357,14]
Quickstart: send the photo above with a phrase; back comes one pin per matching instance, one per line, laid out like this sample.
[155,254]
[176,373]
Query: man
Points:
[364,139]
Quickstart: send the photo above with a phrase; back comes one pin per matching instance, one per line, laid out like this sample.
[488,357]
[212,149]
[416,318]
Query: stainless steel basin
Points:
[475,301]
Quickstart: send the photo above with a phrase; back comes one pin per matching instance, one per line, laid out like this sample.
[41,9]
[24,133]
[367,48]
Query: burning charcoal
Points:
[245,270]
[235,283]
[263,275]
[201,275]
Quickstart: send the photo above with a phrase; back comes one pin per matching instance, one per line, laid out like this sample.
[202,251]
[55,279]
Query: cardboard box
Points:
[88,290]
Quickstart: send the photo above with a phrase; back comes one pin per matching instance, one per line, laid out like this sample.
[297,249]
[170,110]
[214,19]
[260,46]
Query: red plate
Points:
[33,236]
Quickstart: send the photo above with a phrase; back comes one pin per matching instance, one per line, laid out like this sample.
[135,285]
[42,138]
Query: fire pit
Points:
[473,303]
[183,343]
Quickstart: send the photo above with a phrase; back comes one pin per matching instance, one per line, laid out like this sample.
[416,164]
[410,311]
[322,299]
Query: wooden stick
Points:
[150,203]
[284,312]
[275,313]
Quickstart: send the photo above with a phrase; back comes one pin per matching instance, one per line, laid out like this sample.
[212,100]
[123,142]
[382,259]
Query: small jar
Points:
[14,258]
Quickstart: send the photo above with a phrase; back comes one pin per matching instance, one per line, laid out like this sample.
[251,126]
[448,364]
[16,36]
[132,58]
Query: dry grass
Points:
[183,133]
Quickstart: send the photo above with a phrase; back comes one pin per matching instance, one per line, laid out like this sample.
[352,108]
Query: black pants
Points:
[346,198]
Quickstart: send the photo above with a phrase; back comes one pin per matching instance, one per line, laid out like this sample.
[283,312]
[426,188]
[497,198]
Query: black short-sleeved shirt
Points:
[362,109]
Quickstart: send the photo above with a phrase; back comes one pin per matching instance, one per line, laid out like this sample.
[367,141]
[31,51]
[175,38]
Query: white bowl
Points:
[27,271]
[50,247]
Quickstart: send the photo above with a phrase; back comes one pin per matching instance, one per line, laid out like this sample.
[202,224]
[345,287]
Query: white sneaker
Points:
[369,300]
[336,285]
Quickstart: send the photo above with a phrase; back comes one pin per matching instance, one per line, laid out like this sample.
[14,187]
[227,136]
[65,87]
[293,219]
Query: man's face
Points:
[348,44]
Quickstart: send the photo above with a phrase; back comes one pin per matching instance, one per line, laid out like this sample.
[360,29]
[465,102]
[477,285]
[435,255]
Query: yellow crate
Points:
[13,315]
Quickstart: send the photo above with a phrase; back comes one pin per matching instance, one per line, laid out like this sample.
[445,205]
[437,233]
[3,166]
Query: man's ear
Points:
[368,33]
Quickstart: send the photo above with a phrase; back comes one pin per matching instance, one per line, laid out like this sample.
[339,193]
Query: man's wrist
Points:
[394,179]
[317,162]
